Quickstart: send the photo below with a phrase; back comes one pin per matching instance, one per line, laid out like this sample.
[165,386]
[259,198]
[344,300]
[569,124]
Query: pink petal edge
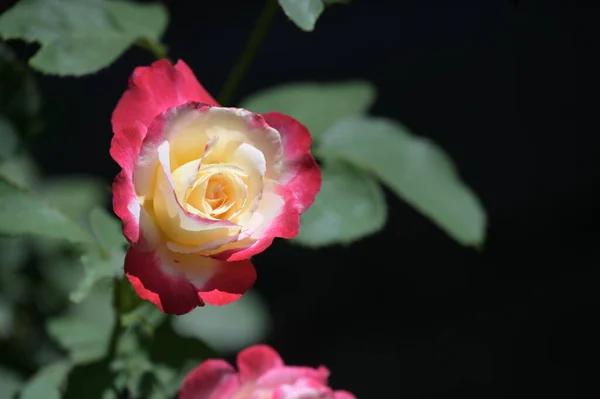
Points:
[285,225]
[257,360]
[174,293]
[212,379]
[302,175]
[156,88]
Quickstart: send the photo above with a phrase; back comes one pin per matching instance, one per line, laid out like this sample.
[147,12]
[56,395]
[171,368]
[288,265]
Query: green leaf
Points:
[8,138]
[76,196]
[131,365]
[180,349]
[62,273]
[23,212]
[304,13]
[47,383]
[96,268]
[85,330]
[79,37]
[128,300]
[6,319]
[145,317]
[13,283]
[415,168]
[91,381]
[105,261]
[107,229]
[350,206]
[14,252]
[21,170]
[10,383]
[227,328]
[19,95]
[317,105]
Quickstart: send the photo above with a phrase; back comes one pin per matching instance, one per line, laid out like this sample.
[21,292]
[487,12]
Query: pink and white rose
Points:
[202,187]
[261,375]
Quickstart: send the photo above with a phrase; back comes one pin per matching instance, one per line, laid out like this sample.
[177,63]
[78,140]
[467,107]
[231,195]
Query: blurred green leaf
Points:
[96,267]
[48,382]
[180,350]
[142,377]
[61,272]
[20,169]
[14,254]
[129,300]
[145,317]
[170,379]
[107,229]
[350,205]
[19,95]
[6,318]
[131,365]
[23,212]
[304,13]
[227,328]
[417,169]
[107,260]
[8,138]
[317,105]
[76,196]
[85,330]
[10,383]
[79,37]
[91,381]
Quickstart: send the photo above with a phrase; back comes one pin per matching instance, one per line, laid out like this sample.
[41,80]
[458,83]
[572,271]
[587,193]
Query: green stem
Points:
[156,48]
[238,72]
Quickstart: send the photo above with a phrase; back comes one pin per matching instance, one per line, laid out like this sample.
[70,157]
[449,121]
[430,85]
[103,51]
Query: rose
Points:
[202,188]
[262,375]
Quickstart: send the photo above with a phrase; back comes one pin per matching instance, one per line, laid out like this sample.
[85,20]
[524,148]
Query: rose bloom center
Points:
[219,190]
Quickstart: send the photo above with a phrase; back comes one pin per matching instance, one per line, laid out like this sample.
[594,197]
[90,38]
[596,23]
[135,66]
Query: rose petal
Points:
[181,226]
[124,150]
[254,163]
[154,89]
[277,216]
[301,174]
[291,374]
[257,360]
[212,379]
[126,205]
[343,395]
[177,283]
[233,127]
[304,388]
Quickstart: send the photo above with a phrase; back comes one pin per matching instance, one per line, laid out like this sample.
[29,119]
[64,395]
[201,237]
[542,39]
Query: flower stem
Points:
[157,49]
[240,68]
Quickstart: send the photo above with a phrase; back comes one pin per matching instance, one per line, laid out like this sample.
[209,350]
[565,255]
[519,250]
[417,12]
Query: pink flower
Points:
[202,187]
[262,375]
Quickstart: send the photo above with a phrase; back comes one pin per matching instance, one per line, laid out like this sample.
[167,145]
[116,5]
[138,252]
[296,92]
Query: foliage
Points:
[71,325]
[79,37]
[304,13]
[357,150]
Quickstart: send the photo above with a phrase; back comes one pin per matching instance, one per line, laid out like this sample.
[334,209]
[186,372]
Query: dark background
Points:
[408,313]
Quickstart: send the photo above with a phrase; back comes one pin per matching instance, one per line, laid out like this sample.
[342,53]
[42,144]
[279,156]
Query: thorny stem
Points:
[238,72]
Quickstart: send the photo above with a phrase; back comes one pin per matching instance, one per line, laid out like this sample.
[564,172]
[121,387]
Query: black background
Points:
[408,313]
